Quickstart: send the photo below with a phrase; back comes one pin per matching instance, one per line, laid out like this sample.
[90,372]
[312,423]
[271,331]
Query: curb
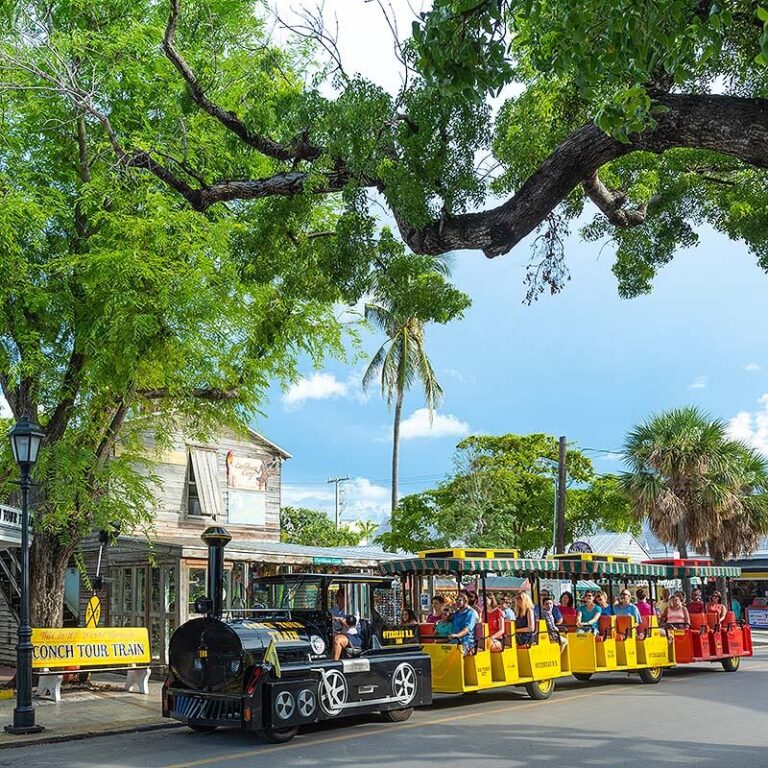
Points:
[80,735]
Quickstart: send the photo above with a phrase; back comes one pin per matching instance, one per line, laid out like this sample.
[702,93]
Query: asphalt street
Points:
[698,716]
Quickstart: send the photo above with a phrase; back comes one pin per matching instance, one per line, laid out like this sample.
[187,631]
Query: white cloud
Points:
[752,367]
[320,386]
[443,425]
[700,382]
[752,428]
[5,409]
[360,499]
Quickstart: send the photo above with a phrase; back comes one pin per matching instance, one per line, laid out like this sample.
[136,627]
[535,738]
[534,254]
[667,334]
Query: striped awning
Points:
[703,571]
[542,567]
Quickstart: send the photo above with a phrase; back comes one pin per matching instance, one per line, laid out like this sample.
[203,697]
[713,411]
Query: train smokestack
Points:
[216,538]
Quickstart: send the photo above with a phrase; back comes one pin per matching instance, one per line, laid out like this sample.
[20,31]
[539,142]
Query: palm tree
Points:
[366,530]
[677,475]
[696,486]
[399,363]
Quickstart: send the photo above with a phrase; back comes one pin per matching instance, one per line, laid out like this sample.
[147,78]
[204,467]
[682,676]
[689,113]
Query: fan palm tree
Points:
[682,475]
[399,363]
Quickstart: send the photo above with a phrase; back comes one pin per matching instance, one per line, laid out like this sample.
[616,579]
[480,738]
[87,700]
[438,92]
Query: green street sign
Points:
[328,561]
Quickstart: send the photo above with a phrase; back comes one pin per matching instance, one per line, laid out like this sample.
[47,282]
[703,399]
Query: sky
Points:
[585,363]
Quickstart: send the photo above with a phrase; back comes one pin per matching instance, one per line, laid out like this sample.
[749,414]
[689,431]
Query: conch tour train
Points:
[321,646]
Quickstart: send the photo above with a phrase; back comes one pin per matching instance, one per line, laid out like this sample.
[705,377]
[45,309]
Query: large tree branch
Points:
[299,149]
[201,393]
[726,124]
[70,386]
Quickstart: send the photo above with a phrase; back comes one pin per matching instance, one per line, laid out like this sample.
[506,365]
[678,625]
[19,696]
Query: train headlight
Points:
[317,644]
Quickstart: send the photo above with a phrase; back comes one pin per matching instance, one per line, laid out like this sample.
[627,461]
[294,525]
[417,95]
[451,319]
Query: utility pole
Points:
[562,475]
[336,481]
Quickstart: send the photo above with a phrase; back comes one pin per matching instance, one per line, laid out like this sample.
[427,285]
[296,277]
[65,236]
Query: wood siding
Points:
[171,516]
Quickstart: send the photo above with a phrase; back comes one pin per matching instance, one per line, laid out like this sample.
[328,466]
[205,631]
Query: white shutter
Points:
[206,469]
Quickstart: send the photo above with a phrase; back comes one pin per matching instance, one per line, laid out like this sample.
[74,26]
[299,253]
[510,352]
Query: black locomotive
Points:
[272,670]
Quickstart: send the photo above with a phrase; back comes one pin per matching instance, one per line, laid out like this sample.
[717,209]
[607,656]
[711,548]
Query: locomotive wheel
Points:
[200,728]
[583,676]
[278,735]
[397,715]
[651,675]
[540,689]
[731,664]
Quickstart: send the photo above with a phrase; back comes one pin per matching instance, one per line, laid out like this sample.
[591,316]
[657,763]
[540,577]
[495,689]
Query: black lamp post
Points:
[25,438]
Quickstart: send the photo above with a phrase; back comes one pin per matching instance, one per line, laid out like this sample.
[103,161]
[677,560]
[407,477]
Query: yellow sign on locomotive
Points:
[89,647]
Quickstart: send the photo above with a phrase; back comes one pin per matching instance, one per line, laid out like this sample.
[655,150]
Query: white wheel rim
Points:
[307,702]
[404,683]
[333,693]
[284,705]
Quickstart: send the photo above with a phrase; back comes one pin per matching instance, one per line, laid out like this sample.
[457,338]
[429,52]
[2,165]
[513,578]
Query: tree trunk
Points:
[48,567]
[682,552]
[396,447]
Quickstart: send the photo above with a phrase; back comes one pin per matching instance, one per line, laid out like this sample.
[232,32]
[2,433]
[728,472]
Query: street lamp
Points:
[25,438]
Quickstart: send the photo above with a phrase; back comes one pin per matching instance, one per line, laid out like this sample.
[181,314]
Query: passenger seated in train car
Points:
[557,614]
[496,624]
[715,606]
[438,603]
[525,621]
[626,607]
[588,614]
[444,626]
[408,617]
[347,637]
[695,604]
[548,614]
[566,605]
[679,593]
[506,608]
[643,606]
[663,604]
[676,616]
[606,609]
[464,622]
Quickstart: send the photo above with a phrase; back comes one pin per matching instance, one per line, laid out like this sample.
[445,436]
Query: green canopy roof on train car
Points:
[543,567]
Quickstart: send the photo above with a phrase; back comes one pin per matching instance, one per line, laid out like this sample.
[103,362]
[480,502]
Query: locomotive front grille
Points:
[195,707]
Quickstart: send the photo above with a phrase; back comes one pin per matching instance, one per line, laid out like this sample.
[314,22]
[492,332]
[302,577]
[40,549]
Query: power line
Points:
[336,481]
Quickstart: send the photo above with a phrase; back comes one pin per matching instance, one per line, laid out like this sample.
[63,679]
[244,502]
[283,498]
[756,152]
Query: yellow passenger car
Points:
[618,646]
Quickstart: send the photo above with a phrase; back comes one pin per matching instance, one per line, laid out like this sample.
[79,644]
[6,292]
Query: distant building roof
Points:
[274,551]
[257,436]
[606,542]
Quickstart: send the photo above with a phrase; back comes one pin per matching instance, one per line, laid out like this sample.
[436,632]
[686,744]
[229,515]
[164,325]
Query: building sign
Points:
[758,617]
[247,508]
[247,474]
[86,647]
[328,561]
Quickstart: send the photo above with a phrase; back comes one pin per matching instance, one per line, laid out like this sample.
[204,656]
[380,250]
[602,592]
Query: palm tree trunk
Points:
[682,552]
[396,446]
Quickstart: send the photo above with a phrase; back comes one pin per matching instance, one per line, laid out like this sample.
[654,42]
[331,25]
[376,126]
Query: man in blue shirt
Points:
[556,614]
[464,621]
[626,607]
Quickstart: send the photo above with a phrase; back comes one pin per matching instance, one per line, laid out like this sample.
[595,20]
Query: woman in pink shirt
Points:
[643,606]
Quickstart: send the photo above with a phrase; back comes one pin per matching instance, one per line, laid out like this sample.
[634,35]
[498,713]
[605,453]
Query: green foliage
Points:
[312,528]
[696,486]
[502,495]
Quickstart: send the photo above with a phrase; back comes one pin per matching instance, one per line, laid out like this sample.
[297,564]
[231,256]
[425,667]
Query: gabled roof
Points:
[277,449]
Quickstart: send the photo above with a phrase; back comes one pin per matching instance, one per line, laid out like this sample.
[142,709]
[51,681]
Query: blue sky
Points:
[584,363]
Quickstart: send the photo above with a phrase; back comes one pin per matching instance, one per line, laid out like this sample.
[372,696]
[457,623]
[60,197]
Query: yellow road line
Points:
[352,734]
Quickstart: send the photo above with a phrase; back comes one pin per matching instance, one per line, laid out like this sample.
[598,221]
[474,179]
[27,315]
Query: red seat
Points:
[570,622]
[624,627]
[480,636]
[427,632]
[698,620]
[606,627]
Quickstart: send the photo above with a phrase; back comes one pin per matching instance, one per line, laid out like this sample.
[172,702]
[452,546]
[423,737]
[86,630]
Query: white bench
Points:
[49,682]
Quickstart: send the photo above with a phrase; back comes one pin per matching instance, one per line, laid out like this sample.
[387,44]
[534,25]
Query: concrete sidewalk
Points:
[100,708]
